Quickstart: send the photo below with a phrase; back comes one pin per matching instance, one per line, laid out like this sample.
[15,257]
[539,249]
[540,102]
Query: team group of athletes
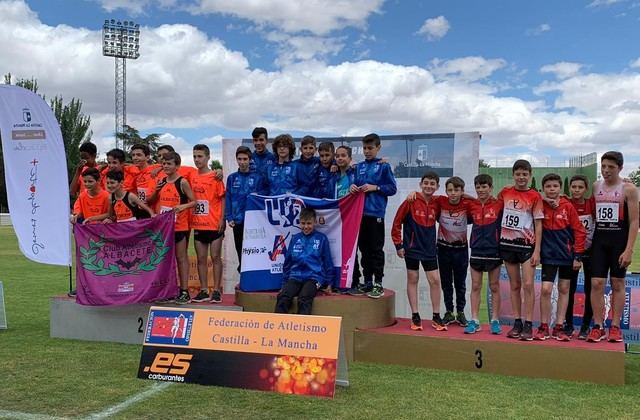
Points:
[519,227]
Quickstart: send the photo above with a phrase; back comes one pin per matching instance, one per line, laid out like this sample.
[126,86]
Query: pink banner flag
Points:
[125,263]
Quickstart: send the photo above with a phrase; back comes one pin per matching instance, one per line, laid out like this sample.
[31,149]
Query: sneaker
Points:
[202,296]
[516,331]
[183,298]
[72,293]
[461,319]
[377,291]
[361,289]
[596,334]
[542,333]
[495,327]
[416,323]
[563,336]
[568,330]
[527,332]
[615,334]
[584,332]
[448,318]
[166,300]
[438,324]
[216,297]
[472,327]
[556,330]
[355,291]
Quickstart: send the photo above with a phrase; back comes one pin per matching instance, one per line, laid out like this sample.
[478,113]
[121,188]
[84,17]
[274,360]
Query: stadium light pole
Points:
[121,40]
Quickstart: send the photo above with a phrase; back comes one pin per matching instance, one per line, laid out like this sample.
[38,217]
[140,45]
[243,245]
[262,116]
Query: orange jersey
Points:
[209,194]
[81,186]
[144,184]
[521,209]
[130,174]
[88,206]
[121,210]
[184,171]
[171,196]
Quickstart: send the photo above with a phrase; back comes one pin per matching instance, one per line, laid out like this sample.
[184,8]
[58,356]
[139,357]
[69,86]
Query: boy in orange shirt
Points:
[143,183]
[88,153]
[207,222]
[123,205]
[116,161]
[173,193]
[93,203]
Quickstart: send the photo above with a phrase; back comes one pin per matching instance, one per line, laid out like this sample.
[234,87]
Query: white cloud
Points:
[562,70]
[292,49]
[603,3]
[539,30]
[316,16]
[184,79]
[466,68]
[635,63]
[434,28]
[133,7]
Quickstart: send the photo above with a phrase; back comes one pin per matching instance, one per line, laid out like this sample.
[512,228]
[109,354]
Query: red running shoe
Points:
[556,330]
[563,336]
[542,333]
[615,335]
[596,335]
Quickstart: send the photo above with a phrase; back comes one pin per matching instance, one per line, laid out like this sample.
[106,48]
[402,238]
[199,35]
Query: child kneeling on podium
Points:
[307,266]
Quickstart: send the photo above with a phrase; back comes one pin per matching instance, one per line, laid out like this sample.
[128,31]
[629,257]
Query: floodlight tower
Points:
[121,40]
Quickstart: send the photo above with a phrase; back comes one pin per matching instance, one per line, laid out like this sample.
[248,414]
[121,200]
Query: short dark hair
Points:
[614,156]
[167,147]
[92,172]
[175,157]
[139,146]
[116,175]
[258,131]
[117,154]
[326,146]
[307,213]
[521,164]
[580,177]
[202,148]
[551,177]
[243,150]
[371,138]
[89,147]
[347,148]
[286,140]
[308,140]
[456,181]
[483,179]
[430,175]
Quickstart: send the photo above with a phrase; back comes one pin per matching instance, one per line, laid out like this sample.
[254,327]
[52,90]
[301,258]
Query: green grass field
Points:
[41,376]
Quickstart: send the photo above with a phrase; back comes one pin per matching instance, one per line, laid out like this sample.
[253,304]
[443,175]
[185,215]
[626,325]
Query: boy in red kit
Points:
[486,213]
[414,236]
[586,208]
[453,253]
[520,238]
[563,239]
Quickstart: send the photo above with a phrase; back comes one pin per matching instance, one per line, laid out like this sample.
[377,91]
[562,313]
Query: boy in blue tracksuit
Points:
[261,157]
[308,166]
[324,187]
[307,266]
[239,185]
[376,180]
[283,176]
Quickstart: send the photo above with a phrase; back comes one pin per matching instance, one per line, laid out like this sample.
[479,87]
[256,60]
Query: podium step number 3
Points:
[3,315]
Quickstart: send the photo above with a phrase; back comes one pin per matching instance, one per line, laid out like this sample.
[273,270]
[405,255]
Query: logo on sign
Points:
[279,246]
[169,327]
[284,211]
[26,114]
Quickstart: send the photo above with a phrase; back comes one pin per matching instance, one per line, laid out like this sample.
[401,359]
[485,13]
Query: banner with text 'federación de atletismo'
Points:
[35,167]
[270,222]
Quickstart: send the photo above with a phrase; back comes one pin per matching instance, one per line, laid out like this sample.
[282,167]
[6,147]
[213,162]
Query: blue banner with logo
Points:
[270,222]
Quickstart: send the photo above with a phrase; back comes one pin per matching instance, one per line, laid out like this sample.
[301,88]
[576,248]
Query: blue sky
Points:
[542,80]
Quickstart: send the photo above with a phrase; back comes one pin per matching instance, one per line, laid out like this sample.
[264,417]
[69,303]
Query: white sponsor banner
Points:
[36,176]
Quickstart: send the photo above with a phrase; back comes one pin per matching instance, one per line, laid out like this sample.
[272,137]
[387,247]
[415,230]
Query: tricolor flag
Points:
[169,327]
[270,222]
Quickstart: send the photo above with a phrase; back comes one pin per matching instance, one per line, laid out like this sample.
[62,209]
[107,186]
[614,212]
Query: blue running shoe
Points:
[495,327]
[472,327]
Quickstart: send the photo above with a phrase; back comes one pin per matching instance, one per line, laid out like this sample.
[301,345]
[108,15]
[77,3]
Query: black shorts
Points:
[414,264]
[485,264]
[207,236]
[549,271]
[516,256]
[184,234]
[604,259]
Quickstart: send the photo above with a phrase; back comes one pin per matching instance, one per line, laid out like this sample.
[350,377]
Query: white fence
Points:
[5,219]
